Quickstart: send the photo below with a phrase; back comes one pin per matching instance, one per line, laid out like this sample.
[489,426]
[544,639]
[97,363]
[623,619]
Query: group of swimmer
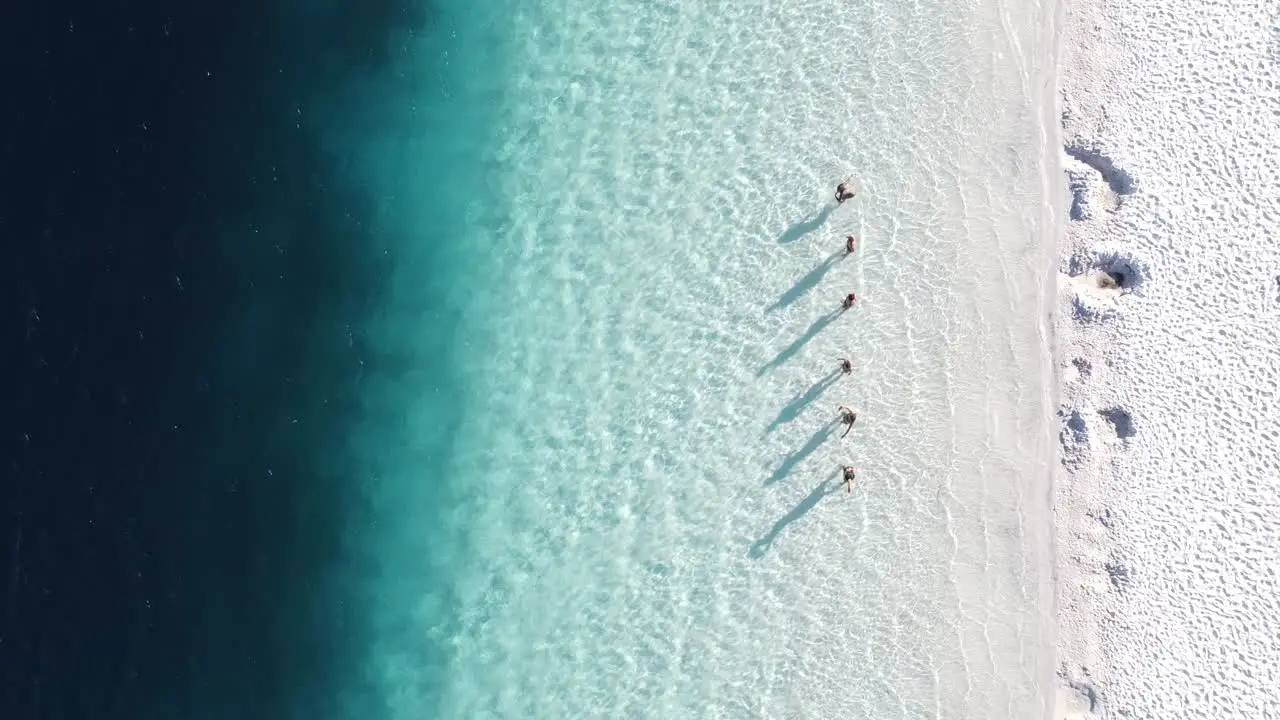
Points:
[848,417]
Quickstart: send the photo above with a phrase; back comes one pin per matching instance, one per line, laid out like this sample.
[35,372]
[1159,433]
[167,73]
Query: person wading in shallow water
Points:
[844,191]
[850,474]
[850,244]
[848,417]
[846,367]
[849,300]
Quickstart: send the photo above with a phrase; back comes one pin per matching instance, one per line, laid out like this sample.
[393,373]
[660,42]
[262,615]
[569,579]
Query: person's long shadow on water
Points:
[801,401]
[804,227]
[790,462]
[806,283]
[818,326]
[761,546]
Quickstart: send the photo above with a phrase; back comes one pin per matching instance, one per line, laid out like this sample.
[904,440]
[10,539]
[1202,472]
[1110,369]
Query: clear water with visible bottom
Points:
[627,503]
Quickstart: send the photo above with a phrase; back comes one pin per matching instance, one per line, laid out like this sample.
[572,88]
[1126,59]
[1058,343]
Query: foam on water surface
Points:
[642,504]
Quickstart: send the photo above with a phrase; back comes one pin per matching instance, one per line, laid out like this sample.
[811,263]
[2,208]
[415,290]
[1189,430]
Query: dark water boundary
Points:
[183,276]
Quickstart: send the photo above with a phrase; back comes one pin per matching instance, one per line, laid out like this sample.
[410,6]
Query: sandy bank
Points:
[1168,504]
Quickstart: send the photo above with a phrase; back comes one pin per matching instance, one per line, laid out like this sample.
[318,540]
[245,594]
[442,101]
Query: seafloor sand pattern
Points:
[1169,514]
[651,521]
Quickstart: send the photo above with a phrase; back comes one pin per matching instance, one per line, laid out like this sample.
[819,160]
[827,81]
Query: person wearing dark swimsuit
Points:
[846,367]
[848,417]
[844,192]
[850,244]
[850,474]
[849,300]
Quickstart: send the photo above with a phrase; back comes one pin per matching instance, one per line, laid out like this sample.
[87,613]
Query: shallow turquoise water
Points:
[604,473]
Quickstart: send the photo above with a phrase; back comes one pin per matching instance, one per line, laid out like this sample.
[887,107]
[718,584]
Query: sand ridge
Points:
[1166,333]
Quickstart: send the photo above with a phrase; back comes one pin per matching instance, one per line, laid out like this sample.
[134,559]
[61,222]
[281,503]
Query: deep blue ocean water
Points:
[185,269]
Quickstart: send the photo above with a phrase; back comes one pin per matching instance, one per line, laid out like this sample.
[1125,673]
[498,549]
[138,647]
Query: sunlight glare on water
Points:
[653,522]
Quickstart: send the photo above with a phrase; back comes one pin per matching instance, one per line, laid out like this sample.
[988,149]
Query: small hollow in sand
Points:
[1121,422]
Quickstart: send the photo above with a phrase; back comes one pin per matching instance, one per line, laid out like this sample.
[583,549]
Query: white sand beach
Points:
[1168,502]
